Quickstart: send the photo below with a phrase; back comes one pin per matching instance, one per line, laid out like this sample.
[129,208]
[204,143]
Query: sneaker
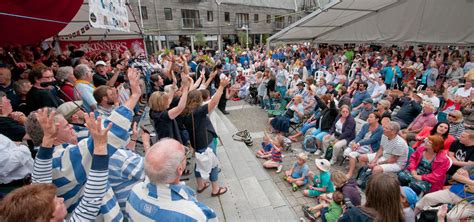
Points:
[317,153]
[294,187]
[279,168]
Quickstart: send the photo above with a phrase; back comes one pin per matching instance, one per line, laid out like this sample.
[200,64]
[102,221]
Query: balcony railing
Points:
[279,25]
[191,23]
[240,24]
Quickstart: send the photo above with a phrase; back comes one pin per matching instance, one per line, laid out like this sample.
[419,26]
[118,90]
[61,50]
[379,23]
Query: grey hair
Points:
[166,172]
[64,72]
[394,126]
[81,70]
[33,127]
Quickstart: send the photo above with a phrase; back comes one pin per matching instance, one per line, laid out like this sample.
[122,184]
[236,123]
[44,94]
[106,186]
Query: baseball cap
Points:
[368,100]
[100,63]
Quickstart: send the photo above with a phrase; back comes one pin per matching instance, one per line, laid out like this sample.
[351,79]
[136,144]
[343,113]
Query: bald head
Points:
[163,161]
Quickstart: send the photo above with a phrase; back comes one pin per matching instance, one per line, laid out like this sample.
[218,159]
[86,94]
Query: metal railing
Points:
[191,23]
[240,24]
[279,25]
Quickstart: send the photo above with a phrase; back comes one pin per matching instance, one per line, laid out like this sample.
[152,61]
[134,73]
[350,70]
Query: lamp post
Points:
[219,40]
[246,28]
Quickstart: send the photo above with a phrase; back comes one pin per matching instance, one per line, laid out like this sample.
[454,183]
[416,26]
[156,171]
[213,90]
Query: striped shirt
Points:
[95,187]
[163,202]
[126,170]
[71,164]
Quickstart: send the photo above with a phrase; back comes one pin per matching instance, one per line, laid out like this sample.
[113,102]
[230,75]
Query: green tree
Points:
[200,40]
[242,36]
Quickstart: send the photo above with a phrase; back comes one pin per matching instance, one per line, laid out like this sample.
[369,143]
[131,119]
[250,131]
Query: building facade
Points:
[178,22]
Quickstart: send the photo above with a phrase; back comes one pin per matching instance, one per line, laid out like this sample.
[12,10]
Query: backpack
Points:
[309,144]
[328,154]
[363,176]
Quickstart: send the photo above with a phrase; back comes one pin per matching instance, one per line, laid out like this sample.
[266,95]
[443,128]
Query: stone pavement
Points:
[254,193]
[254,119]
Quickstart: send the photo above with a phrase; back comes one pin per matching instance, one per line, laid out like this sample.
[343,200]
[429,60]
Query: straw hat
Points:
[323,164]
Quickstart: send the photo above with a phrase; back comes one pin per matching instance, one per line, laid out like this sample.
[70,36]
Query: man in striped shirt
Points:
[72,162]
[161,197]
[38,202]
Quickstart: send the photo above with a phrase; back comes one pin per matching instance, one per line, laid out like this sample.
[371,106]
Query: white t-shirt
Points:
[339,126]
[395,147]
[434,100]
[463,92]
[379,89]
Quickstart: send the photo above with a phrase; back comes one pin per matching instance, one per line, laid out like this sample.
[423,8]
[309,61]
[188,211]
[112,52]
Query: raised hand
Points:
[99,134]
[134,77]
[203,71]
[49,127]
[224,82]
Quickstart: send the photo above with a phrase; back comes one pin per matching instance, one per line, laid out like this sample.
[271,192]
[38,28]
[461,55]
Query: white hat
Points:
[100,63]
[67,109]
[323,164]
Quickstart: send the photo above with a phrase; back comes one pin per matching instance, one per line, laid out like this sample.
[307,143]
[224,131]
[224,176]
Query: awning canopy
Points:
[82,19]
[30,22]
[386,21]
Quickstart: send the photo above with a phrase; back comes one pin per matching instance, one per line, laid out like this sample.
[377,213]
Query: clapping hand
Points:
[224,82]
[49,127]
[99,134]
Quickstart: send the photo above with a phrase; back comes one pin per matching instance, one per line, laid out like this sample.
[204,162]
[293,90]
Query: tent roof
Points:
[386,21]
[82,18]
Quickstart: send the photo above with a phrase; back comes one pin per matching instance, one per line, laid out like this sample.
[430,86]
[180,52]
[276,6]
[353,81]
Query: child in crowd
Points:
[321,179]
[328,210]
[408,199]
[298,174]
[347,186]
[276,159]
[265,151]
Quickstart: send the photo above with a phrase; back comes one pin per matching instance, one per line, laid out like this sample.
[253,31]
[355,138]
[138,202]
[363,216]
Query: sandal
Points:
[206,185]
[219,192]
[186,172]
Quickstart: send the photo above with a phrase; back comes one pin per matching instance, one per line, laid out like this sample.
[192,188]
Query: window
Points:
[210,16]
[144,12]
[190,18]
[279,21]
[168,14]
[290,19]
[269,18]
[241,20]
[226,16]
[255,18]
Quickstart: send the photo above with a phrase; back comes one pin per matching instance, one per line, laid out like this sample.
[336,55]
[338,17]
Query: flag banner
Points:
[94,47]
[109,14]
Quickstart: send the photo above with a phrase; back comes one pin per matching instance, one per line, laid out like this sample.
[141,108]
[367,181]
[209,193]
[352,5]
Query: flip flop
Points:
[206,185]
[219,192]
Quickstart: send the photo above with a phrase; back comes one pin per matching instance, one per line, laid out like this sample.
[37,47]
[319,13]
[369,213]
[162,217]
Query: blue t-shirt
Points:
[267,147]
[459,188]
[299,171]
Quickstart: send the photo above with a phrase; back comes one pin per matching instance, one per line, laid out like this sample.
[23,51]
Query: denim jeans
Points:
[306,127]
[214,175]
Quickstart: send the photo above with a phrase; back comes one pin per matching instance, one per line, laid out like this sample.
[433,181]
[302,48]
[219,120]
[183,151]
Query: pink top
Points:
[439,167]
[422,121]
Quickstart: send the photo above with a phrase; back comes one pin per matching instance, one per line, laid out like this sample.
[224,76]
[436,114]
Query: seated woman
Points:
[456,123]
[294,112]
[311,122]
[440,129]
[298,174]
[428,166]
[367,141]
[340,134]
[324,123]
[309,102]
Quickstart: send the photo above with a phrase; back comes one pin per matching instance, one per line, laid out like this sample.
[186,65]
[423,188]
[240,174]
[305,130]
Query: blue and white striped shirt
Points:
[126,169]
[95,187]
[163,202]
[71,165]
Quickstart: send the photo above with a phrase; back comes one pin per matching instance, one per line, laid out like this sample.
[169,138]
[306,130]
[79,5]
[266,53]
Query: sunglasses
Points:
[450,115]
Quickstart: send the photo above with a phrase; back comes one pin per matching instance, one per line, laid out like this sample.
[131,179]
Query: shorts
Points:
[297,175]
[314,193]
[387,168]
[348,152]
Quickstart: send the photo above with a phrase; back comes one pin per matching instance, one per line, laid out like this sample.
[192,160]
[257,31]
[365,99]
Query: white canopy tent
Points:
[82,19]
[386,21]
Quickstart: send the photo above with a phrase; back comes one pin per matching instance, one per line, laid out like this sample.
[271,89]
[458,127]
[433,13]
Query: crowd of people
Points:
[400,118]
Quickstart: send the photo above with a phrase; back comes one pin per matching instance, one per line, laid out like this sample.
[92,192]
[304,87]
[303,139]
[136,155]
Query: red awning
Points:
[31,21]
